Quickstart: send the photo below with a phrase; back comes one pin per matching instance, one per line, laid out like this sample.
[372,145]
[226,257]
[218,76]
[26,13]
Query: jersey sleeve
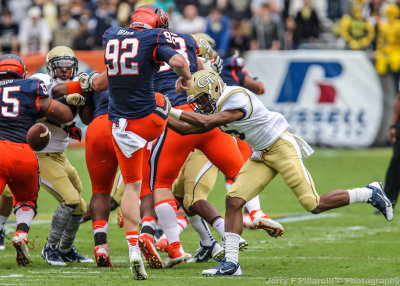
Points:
[164,50]
[48,81]
[237,101]
[42,91]
[239,75]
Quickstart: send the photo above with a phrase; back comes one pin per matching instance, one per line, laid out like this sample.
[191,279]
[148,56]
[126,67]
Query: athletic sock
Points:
[219,225]
[25,215]
[359,195]
[132,239]
[149,224]
[100,228]
[201,227]
[253,204]
[182,223]
[232,247]
[165,211]
[69,233]
[58,223]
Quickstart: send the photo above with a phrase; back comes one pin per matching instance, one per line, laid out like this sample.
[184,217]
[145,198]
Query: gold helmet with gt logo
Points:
[205,89]
[205,48]
[62,58]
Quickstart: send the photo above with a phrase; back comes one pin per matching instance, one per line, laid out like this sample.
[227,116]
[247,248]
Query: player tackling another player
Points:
[237,111]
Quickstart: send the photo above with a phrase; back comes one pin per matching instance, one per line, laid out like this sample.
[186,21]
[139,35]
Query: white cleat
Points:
[137,267]
[262,221]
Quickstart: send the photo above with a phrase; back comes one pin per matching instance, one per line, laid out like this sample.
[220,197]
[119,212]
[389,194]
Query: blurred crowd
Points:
[35,26]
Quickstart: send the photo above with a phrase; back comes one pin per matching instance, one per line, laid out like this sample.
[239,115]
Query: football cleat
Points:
[74,256]
[225,268]
[205,253]
[137,267]
[247,222]
[51,254]
[380,201]
[20,242]
[176,254]
[120,219]
[2,236]
[162,243]
[102,255]
[242,244]
[262,221]
[149,251]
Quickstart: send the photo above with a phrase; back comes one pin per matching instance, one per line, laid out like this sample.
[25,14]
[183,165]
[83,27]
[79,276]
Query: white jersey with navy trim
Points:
[259,127]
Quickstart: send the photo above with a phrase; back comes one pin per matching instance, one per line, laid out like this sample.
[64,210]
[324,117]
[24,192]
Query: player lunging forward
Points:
[237,111]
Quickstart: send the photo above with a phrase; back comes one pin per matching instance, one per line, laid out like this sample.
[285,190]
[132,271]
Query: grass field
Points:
[344,246]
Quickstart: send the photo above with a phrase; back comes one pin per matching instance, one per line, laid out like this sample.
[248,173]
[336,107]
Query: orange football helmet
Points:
[149,17]
[12,65]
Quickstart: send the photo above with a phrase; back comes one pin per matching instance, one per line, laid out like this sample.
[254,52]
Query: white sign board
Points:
[331,98]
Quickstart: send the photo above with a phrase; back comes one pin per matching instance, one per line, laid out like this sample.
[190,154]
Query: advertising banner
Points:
[330,98]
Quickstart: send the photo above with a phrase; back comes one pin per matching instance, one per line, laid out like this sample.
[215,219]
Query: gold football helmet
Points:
[205,89]
[205,48]
[208,38]
[61,57]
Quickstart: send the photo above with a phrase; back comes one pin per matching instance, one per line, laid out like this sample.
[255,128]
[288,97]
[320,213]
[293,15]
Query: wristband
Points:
[393,126]
[175,113]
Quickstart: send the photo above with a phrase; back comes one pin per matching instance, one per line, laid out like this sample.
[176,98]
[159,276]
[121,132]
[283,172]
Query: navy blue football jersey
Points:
[164,81]
[100,102]
[132,58]
[18,107]
[233,72]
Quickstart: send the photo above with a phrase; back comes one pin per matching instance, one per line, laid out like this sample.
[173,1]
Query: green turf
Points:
[351,243]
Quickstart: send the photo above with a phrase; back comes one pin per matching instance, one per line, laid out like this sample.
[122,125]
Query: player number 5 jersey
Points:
[259,127]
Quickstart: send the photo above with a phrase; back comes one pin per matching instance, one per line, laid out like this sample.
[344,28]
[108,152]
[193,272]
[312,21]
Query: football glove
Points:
[86,81]
[217,65]
[73,131]
[75,99]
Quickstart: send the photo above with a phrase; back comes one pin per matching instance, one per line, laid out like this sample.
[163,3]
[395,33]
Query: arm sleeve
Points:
[240,101]
[163,53]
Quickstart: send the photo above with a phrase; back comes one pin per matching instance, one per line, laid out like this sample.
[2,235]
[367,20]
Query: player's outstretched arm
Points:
[181,68]
[199,123]
[255,86]
[55,111]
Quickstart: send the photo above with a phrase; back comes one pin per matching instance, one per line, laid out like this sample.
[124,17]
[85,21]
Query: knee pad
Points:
[309,202]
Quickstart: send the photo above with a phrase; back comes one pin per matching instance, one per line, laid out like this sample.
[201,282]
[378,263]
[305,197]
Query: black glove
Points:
[73,131]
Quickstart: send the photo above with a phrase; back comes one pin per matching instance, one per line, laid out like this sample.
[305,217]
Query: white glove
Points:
[217,65]
[83,79]
[75,99]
